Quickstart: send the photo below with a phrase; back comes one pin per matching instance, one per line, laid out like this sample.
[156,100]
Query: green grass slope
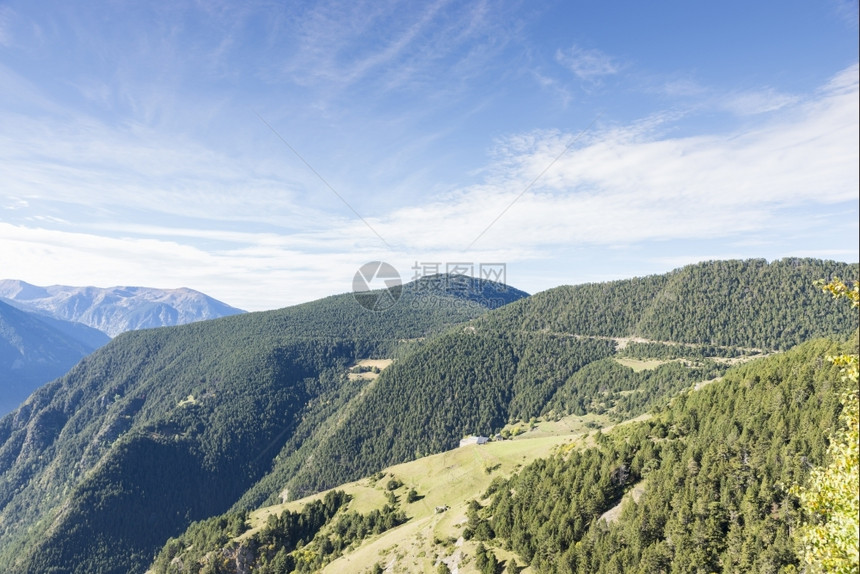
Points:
[447,480]
[700,485]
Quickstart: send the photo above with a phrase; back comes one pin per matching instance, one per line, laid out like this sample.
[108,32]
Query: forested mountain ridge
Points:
[36,349]
[740,303]
[167,425]
[548,355]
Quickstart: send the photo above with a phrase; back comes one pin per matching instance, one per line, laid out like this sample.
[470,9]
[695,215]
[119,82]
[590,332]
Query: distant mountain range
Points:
[115,310]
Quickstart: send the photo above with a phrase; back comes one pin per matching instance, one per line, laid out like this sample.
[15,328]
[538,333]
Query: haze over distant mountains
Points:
[35,349]
[45,331]
[115,310]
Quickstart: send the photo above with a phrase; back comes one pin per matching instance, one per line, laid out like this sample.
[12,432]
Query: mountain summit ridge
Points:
[115,310]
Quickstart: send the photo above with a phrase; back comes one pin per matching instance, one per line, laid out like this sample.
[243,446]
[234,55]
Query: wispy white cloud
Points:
[845,82]
[12,203]
[553,85]
[587,64]
[254,276]
[336,50]
[631,183]
[758,102]
[681,87]
[83,162]
[694,96]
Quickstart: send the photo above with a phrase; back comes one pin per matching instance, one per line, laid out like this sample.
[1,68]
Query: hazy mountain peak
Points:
[21,290]
[115,309]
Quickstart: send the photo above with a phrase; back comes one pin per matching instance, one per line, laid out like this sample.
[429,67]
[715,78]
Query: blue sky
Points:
[148,143]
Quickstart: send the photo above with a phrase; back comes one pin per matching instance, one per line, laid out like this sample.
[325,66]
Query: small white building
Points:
[473,440]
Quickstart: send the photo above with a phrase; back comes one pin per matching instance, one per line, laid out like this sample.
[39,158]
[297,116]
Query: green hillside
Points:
[707,476]
[458,384]
[164,426]
[714,471]
[161,428]
[524,360]
[750,303]
[448,479]
[475,383]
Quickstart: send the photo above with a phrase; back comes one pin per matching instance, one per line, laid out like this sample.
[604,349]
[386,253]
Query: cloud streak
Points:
[587,64]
